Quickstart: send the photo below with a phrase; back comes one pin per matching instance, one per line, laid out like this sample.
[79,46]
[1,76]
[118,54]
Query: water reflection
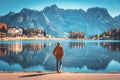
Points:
[35,54]
[19,47]
[3,50]
[114,46]
[15,48]
[34,46]
[76,44]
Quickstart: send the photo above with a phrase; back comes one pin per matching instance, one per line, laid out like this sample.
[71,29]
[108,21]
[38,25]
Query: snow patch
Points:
[47,20]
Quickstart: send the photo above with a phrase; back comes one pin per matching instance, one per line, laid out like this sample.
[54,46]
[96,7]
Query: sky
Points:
[113,6]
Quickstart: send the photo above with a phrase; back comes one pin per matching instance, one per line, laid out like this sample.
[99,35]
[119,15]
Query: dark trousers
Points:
[59,64]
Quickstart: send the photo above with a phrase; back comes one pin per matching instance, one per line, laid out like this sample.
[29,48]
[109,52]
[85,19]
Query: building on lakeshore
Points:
[14,31]
[76,35]
[48,36]
[112,34]
[33,32]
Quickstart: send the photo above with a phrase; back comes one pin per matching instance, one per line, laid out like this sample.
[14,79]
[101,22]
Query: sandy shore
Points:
[58,76]
[36,38]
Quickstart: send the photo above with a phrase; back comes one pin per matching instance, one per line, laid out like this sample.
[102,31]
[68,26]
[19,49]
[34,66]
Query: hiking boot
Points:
[59,71]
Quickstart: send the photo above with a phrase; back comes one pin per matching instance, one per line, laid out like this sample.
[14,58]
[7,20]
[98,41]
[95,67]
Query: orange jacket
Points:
[58,52]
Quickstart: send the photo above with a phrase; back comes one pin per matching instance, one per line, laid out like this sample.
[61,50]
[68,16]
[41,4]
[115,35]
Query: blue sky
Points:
[113,6]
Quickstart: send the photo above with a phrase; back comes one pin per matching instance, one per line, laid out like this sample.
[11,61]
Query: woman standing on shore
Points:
[58,53]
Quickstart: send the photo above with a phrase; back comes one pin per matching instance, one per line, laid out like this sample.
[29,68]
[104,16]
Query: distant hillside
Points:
[58,22]
[112,34]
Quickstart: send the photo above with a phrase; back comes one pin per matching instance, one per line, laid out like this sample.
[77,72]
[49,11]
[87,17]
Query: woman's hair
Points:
[58,44]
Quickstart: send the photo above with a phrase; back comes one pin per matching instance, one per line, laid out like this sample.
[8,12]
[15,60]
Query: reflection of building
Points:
[76,44]
[3,49]
[15,47]
[115,46]
[33,46]
[18,47]
[37,46]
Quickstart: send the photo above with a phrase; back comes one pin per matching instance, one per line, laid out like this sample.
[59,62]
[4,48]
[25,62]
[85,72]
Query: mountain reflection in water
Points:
[77,55]
[112,46]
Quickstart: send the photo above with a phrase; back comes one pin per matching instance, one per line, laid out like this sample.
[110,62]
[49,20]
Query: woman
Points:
[58,53]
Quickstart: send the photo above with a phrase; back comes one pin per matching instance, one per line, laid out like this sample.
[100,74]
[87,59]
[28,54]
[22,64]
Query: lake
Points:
[80,56]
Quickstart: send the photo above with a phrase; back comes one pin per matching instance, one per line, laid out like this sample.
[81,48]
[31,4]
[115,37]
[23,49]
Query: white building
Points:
[13,31]
[48,36]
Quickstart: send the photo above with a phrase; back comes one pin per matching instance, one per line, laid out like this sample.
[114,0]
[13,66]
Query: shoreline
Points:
[58,76]
[36,38]
[111,72]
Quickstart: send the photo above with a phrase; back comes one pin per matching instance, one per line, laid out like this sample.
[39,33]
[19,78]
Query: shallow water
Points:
[80,56]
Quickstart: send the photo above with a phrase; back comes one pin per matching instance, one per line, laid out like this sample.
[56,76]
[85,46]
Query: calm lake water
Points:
[80,56]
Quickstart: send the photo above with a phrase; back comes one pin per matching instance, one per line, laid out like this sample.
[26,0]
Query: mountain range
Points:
[59,22]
